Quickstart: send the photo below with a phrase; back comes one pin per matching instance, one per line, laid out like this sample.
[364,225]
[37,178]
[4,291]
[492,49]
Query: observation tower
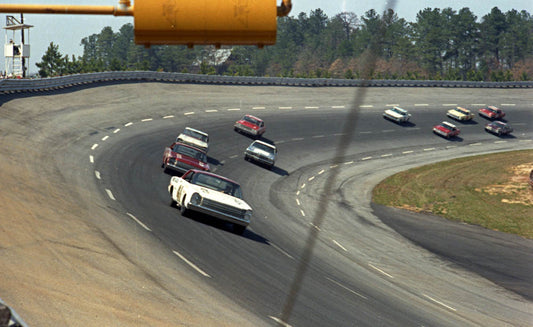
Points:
[17,47]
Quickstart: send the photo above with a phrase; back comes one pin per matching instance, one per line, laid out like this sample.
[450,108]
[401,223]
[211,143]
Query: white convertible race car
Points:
[210,194]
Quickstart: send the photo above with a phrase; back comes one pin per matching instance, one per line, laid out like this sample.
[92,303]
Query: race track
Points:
[100,148]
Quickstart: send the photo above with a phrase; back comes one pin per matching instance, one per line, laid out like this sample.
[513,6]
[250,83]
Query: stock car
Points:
[250,125]
[498,128]
[181,157]
[446,129]
[397,114]
[261,152]
[491,112]
[460,113]
[210,194]
[195,138]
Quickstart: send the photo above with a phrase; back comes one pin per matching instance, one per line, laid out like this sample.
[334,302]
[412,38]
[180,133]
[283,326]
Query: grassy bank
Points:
[489,190]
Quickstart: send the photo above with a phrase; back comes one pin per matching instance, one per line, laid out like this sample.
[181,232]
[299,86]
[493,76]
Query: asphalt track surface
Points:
[371,266]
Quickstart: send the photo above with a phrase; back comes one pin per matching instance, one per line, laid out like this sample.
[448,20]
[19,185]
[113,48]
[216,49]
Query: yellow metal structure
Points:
[218,22]
[205,22]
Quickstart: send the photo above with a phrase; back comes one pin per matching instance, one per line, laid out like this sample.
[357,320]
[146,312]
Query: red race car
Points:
[250,125]
[182,157]
[446,129]
[491,112]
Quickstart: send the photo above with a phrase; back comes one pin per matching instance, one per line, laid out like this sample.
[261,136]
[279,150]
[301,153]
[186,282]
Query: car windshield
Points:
[190,152]
[217,184]
[196,135]
[251,120]
[260,146]
[498,124]
[399,111]
[463,111]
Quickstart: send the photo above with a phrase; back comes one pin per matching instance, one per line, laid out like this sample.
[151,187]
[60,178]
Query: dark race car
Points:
[498,128]
[182,157]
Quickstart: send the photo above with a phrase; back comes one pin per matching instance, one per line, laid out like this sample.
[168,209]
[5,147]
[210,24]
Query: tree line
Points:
[440,44]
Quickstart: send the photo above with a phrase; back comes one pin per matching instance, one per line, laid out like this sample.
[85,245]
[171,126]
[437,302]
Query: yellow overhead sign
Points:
[198,22]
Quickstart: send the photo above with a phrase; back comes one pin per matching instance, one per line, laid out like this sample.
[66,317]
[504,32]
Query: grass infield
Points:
[489,190]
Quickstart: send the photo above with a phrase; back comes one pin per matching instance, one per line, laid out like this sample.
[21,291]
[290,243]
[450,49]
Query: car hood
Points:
[192,140]
[247,124]
[442,128]
[189,160]
[261,152]
[395,114]
[221,197]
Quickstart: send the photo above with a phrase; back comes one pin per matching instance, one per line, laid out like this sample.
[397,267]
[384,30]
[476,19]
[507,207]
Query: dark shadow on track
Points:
[223,225]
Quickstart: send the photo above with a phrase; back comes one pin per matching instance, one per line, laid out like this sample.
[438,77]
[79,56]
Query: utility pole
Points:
[22,42]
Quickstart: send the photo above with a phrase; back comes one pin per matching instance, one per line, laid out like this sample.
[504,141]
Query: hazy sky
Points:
[68,30]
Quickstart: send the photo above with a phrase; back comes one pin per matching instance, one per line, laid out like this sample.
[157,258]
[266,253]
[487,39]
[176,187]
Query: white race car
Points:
[195,138]
[261,152]
[397,114]
[211,194]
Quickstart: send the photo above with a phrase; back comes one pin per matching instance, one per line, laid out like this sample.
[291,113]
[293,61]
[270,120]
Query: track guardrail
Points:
[8,86]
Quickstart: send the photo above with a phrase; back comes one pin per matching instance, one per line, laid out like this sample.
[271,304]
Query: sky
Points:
[66,31]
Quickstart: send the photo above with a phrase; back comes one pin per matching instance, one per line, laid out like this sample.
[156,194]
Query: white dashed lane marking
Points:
[234,109]
[189,113]
[147,119]
[339,245]
[128,124]
[337,107]
[94,146]
[191,264]
[116,131]
[110,194]
[211,110]
[439,302]
[139,222]
[279,321]
[346,288]
[281,250]
[380,270]
[169,116]
[97,174]
[105,137]
[284,108]
[421,104]
[91,159]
